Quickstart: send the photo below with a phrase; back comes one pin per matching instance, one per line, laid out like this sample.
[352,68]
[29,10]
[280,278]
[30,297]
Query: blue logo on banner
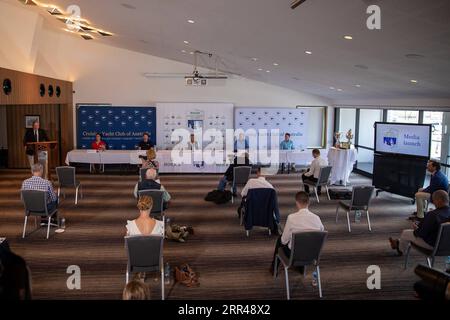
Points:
[122,127]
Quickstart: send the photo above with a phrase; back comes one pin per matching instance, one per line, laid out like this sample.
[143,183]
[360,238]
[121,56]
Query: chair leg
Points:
[270,232]
[127,276]
[368,220]
[48,226]
[59,191]
[248,233]
[348,222]
[286,274]
[429,262]
[408,250]
[24,227]
[275,268]
[337,213]
[76,195]
[317,195]
[163,280]
[328,193]
[319,281]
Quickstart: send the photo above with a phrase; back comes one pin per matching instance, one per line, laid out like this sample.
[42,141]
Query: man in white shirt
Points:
[259,183]
[303,220]
[312,175]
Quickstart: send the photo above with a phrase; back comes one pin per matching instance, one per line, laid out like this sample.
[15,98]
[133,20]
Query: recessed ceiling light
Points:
[308,52]
[260,69]
[332,88]
[184,51]
[186,42]
[414,81]
[191,21]
[276,64]
[255,59]
[358,85]
[340,90]
[192,52]
[268,71]
[348,37]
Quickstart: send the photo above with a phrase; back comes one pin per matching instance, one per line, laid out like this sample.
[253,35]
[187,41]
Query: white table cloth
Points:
[166,164]
[342,162]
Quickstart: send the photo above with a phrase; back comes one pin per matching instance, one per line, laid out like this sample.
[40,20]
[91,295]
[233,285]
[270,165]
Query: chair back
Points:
[144,253]
[307,247]
[241,175]
[442,247]
[157,197]
[35,202]
[324,176]
[66,176]
[142,174]
[362,195]
[261,208]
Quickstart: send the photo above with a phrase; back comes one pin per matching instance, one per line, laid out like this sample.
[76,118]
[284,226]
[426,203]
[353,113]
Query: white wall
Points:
[105,74]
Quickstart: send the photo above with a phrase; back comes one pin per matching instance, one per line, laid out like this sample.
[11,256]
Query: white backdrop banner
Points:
[192,116]
[286,120]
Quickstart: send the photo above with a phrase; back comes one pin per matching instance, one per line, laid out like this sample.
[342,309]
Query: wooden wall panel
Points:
[56,114]
[49,118]
[25,89]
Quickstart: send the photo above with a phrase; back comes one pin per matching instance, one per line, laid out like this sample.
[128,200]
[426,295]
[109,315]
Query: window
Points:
[347,120]
[367,119]
[435,119]
[403,116]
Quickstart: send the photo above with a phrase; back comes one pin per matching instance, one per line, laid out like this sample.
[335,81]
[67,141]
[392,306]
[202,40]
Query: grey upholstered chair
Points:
[145,254]
[158,201]
[241,175]
[441,248]
[361,197]
[67,179]
[35,203]
[306,251]
[322,181]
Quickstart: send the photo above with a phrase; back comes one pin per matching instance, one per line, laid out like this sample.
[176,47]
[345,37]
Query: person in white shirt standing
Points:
[312,175]
[259,183]
[303,220]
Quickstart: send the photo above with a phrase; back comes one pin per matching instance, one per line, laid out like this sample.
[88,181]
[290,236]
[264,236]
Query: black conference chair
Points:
[441,248]
[361,197]
[35,203]
[306,251]
[67,179]
[145,254]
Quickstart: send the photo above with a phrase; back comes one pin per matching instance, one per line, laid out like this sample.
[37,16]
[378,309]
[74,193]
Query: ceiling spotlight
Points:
[332,88]
[254,59]
[192,52]
[54,11]
[104,33]
[86,36]
[186,42]
[358,85]
[348,37]
[183,51]
[276,64]
[260,69]
[340,90]
[28,2]
[296,3]
[268,71]
[191,21]
[414,81]
[308,52]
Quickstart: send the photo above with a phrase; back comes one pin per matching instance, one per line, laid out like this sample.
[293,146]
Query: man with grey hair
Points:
[424,234]
[36,182]
[152,183]
[36,134]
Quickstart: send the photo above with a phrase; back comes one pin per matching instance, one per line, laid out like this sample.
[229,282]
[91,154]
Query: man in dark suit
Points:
[35,134]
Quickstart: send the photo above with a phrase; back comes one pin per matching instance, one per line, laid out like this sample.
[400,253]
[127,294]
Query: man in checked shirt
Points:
[36,182]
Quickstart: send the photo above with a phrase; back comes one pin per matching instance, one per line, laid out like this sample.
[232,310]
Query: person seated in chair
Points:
[312,175]
[303,220]
[438,181]
[424,234]
[151,183]
[259,183]
[149,161]
[145,225]
[99,144]
[146,143]
[36,182]
[239,161]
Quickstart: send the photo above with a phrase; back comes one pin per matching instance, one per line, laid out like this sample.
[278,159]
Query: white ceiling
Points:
[269,30]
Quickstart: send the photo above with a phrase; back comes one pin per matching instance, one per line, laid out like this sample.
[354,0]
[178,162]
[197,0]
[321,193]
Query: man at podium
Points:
[36,134]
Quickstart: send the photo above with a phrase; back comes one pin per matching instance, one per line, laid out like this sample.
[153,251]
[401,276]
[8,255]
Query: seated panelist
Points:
[99,144]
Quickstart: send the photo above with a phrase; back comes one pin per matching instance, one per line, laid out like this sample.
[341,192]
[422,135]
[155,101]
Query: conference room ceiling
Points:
[256,36]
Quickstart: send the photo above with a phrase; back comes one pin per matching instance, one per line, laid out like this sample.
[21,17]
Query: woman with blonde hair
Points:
[149,161]
[145,225]
[136,290]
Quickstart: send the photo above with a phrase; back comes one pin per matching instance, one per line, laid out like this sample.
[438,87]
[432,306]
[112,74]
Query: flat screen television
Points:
[403,139]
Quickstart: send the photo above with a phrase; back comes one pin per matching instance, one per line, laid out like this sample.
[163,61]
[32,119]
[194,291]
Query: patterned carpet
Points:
[230,265]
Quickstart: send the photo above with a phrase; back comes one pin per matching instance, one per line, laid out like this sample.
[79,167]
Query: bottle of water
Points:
[62,223]
[167,273]
[358,216]
[314,279]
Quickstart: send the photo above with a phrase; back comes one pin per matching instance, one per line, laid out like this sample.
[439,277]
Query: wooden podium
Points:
[40,147]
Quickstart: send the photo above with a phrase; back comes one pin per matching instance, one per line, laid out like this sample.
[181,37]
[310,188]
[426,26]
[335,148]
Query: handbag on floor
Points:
[186,276]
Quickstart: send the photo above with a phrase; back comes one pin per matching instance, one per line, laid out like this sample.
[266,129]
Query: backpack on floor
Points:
[219,197]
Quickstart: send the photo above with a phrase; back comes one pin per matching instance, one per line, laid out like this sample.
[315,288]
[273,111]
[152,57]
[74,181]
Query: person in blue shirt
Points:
[286,145]
[241,144]
[438,181]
